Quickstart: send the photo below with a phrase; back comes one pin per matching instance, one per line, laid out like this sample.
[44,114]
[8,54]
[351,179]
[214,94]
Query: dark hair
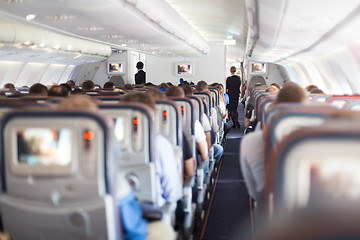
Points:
[38,89]
[139,65]
[70,82]
[109,85]
[9,86]
[67,86]
[316,91]
[58,91]
[128,87]
[88,85]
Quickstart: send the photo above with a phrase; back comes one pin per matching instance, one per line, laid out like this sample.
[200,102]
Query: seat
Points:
[57,172]
[135,132]
[316,167]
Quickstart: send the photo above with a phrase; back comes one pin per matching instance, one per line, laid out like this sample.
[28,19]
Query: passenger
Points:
[9,87]
[109,85]
[71,83]
[276,85]
[78,91]
[140,76]
[88,85]
[163,86]
[233,89]
[169,189]
[272,89]
[316,91]
[189,168]
[58,91]
[200,137]
[252,146]
[310,87]
[156,94]
[38,89]
[128,87]
[133,225]
[202,86]
[243,90]
[68,87]
[77,102]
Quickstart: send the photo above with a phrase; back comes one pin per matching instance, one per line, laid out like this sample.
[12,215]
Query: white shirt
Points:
[199,132]
[252,163]
[168,182]
[205,123]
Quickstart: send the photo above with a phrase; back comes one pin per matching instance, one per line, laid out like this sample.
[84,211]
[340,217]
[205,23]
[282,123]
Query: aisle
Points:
[228,214]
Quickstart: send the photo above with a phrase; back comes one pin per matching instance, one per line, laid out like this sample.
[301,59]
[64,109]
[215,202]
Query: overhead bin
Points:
[18,33]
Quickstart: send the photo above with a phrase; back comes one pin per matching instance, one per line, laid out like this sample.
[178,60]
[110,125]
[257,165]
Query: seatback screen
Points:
[44,146]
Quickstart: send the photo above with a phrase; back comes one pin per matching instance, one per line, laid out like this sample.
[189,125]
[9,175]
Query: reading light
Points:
[30,17]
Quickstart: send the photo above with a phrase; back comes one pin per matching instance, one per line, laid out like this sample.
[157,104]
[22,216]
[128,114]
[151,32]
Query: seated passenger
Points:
[169,189]
[133,225]
[71,83]
[58,91]
[252,145]
[38,89]
[9,87]
[109,85]
[88,85]
[200,137]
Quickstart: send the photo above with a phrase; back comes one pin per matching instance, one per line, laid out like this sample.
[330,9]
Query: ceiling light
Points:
[230,42]
[30,17]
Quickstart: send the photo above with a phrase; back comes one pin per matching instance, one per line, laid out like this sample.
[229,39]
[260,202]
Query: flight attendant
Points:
[233,90]
[140,76]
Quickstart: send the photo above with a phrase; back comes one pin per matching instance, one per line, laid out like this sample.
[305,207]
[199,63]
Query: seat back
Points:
[134,132]
[206,98]
[168,123]
[57,172]
[317,167]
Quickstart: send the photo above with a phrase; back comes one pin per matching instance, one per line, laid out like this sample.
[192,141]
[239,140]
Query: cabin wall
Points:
[27,73]
[210,68]
[275,74]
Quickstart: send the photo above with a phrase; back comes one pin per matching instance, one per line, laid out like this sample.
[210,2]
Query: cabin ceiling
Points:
[187,28]
[276,30]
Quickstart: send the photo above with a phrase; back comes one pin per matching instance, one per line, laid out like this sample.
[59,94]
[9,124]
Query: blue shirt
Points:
[226,97]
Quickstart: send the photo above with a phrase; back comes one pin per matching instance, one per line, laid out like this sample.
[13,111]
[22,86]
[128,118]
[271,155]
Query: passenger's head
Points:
[78,91]
[292,93]
[316,91]
[70,83]
[109,85]
[38,89]
[163,85]
[233,70]
[139,65]
[202,86]
[272,89]
[128,87]
[68,87]
[310,87]
[187,89]
[58,91]
[88,85]
[275,85]
[140,97]
[156,94]
[9,87]
[175,92]
[77,102]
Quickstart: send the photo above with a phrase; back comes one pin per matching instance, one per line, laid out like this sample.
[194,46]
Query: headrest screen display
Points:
[44,146]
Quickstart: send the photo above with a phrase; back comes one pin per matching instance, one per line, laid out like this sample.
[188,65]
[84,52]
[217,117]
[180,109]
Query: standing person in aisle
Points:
[140,76]
[233,90]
